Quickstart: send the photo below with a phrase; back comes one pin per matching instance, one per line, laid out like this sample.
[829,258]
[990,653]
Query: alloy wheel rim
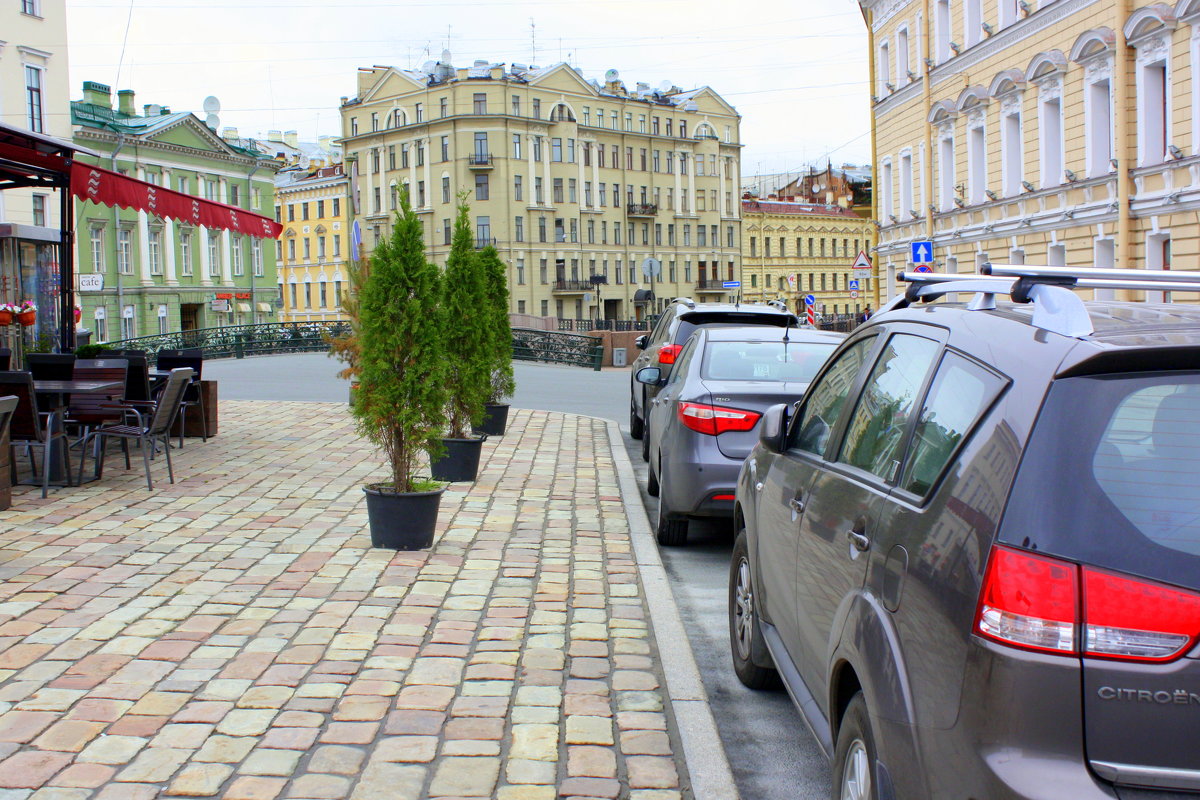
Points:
[743,610]
[856,776]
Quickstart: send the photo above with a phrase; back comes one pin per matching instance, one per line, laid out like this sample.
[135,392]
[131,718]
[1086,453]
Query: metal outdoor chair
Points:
[51,366]
[30,428]
[149,429]
[192,359]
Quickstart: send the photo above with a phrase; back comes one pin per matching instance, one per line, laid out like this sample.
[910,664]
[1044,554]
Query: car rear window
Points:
[764,361]
[1111,476]
[688,324]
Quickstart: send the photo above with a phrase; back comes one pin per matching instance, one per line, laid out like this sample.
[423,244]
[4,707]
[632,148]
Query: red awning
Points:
[110,188]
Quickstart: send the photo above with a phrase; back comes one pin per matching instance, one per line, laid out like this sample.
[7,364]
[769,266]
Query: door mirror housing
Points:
[651,376]
[772,431]
[641,341]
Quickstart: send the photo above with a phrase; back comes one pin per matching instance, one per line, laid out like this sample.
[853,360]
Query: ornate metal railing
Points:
[553,347]
[602,325]
[237,341]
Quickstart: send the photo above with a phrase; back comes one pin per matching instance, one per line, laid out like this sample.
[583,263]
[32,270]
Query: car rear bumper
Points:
[696,481]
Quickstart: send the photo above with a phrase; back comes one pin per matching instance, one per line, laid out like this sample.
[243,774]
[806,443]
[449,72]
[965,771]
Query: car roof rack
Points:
[687,301]
[1055,307]
[777,303]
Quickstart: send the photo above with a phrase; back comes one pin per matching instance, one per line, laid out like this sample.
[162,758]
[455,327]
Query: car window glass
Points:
[825,399]
[961,392]
[765,361]
[659,333]
[681,366]
[876,431]
[1148,463]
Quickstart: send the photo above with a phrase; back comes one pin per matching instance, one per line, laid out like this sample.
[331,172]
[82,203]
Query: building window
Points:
[556,151]
[481,187]
[972,21]
[445,188]
[1008,12]
[885,70]
[31,7]
[39,210]
[906,188]
[480,102]
[304,206]
[214,257]
[321,294]
[516,145]
[537,108]
[236,256]
[96,240]
[977,162]
[944,33]
[420,112]
[256,258]
[945,174]
[307,294]
[902,58]
[447,231]
[125,251]
[1051,139]
[155,251]
[1153,90]
[445,148]
[1012,157]
[885,197]
[483,231]
[128,322]
[443,107]
[34,105]
[1099,128]
[101,325]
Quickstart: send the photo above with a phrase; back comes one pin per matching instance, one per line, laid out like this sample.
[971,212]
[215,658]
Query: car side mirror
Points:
[651,376]
[773,429]
[641,341]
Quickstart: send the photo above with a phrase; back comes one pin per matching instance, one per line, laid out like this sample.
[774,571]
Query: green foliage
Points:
[401,399]
[90,350]
[495,274]
[345,348]
[468,348]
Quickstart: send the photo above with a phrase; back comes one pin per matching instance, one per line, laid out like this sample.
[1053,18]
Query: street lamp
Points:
[597,281]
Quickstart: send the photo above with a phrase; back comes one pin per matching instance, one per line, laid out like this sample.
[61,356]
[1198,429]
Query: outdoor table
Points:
[56,393]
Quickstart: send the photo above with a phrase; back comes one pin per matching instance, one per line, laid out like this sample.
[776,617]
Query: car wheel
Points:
[636,428]
[745,636]
[652,483]
[854,758]
[671,532]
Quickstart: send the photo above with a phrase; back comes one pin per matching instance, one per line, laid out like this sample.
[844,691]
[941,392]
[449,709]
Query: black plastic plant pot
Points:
[402,520]
[495,419]
[460,462]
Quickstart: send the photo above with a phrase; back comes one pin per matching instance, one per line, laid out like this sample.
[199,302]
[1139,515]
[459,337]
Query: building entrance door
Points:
[189,316]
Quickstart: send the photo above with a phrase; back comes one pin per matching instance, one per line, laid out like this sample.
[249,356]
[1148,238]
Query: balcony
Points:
[572,287]
[641,209]
[711,285]
[483,241]
[480,161]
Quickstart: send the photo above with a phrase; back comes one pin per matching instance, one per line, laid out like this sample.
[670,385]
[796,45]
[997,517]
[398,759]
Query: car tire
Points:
[745,636]
[636,427]
[672,532]
[854,756]
[652,487]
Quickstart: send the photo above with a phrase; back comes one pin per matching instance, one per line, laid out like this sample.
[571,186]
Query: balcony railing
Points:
[641,209]
[480,161]
[483,241]
[575,287]
[710,285]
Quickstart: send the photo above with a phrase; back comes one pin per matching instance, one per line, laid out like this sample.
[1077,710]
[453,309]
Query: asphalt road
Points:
[772,754]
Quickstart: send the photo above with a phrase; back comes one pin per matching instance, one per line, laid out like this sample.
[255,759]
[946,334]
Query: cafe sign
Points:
[91,283]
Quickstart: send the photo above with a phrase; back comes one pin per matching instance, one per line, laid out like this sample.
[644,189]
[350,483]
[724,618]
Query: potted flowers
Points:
[401,398]
[467,348]
[27,313]
[7,312]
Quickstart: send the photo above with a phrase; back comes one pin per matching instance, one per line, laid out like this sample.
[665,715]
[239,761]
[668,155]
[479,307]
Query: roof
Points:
[788,207]
[90,115]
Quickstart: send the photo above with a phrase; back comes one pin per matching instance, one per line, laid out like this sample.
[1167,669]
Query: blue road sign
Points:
[810,300]
[922,252]
[853,285]
[731,284]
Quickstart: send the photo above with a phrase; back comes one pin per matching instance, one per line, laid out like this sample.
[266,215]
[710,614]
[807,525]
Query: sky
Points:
[796,70]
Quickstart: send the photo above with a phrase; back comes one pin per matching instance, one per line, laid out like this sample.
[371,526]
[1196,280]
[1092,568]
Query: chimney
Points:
[125,103]
[229,134]
[97,94]
[274,136]
[291,139]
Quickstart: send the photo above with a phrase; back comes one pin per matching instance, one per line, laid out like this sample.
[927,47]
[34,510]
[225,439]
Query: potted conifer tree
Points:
[400,404]
[501,382]
[468,356]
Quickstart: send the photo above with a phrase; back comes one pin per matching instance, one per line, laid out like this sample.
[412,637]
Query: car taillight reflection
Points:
[1040,603]
[715,420]
[668,353]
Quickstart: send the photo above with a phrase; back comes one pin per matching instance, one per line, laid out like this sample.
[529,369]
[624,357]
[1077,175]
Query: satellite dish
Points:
[428,67]
[651,267]
[611,76]
[213,121]
[212,105]
[445,56]
[665,86]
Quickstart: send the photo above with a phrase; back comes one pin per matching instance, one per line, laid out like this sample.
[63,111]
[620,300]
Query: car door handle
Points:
[797,505]
[860,541]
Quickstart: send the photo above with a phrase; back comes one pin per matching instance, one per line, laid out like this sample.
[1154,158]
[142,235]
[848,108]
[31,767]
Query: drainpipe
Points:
[249,194]
[879,276]
[1125,141]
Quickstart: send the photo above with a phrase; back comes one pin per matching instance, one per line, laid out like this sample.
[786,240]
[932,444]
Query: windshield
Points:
[1112,476]
[764,361]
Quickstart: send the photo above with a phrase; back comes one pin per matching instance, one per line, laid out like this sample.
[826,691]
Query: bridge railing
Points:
[272,338]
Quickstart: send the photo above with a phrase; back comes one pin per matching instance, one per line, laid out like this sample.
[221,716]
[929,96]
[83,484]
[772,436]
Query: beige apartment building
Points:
[1061,132]
[578,183]
[793,249]
[313,251]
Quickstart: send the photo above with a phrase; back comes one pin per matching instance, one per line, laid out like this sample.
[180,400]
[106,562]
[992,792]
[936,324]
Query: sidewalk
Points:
[233,635]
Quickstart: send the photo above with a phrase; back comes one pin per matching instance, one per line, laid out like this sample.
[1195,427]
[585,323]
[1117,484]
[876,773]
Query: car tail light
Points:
[1029,601]
[1040,603]
[714,420]
[1138,620]
[668,353]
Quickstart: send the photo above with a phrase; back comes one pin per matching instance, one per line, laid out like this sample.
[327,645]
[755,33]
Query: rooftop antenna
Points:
[128,21]
[532,41]
[560,48]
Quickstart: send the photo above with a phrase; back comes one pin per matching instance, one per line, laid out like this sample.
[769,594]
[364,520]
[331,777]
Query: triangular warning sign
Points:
[862,262]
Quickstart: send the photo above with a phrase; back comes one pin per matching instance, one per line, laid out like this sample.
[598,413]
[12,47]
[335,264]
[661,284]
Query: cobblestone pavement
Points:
[233,635]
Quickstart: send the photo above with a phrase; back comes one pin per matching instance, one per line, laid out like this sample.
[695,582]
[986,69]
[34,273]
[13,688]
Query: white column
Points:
[596,175]
[678,188]
[532,169]
[548,180]
[227,262]
[202,243]
[691,162]
[579,178]
[428,172]
[412,173]
[143,225]
[721,183]
[168,243]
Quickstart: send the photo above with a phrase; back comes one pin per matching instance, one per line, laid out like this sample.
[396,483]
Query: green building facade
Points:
[139,274]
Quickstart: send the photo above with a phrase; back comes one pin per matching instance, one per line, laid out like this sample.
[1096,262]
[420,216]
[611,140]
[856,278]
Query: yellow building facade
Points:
[314,248]
[792,249]
[1058,132]
[578,183]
